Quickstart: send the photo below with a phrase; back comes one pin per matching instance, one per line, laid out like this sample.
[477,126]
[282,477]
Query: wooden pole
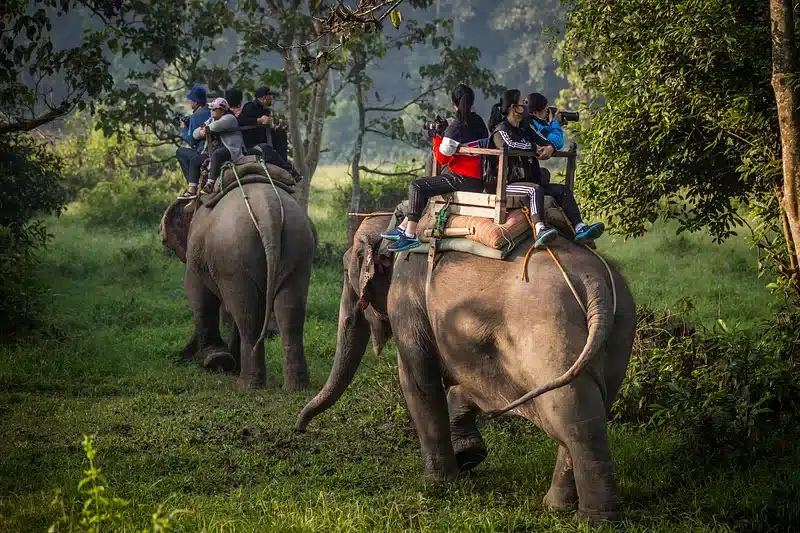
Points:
[573,154]
[500,195]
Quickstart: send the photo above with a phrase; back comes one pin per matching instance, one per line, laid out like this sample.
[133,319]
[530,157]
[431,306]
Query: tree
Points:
[784,83]
[684,120]
[387,116]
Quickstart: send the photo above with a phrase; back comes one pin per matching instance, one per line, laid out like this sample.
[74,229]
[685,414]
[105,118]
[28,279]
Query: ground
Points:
[108,365]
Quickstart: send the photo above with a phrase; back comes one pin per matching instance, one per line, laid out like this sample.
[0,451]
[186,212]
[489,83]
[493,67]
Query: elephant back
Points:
[253,167]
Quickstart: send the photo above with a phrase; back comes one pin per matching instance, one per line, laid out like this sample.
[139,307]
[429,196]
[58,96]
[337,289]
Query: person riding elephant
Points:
[253,263]
[478,336]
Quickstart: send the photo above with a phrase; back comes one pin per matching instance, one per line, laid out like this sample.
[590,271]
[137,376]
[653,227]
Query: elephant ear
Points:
[367,257]
[174,228]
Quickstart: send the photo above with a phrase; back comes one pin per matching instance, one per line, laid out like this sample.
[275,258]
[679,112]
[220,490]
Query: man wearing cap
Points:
[259,111]
[200,114]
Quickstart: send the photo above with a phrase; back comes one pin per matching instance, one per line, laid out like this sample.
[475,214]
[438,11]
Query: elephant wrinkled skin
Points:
[227,262]
[482,339]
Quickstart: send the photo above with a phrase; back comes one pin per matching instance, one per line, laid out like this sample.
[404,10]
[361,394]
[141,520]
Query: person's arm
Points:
[502,138]
[555,134]
[224,124]
[249,115]
[444,154]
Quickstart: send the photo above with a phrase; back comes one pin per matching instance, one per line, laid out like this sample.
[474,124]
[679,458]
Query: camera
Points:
[566,116]
[437,124]
[185,119]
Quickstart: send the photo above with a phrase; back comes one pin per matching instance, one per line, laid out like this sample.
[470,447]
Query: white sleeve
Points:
[448,146]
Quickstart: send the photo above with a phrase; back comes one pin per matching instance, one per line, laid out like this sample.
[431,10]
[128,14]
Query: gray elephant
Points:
[482,337]
[251,270]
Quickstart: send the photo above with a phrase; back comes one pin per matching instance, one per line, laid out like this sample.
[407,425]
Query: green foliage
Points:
[99,512]
[122,202]
[377,192]
[29,187]
[686,124]
[721,388]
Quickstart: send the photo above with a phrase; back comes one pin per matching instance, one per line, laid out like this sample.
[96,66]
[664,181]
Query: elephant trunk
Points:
[351,343]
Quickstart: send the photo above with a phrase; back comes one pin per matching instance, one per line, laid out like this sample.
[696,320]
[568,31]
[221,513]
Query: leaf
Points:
[396,18]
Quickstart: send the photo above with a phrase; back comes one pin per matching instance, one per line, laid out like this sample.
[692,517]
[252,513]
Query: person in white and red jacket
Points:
[464,170]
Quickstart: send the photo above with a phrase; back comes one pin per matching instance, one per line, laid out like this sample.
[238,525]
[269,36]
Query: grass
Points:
[107,364]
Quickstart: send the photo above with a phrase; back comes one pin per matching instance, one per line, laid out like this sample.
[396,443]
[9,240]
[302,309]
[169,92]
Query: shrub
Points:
[122,202]
[720,386]
[98,511]
[378,192]
[29,186]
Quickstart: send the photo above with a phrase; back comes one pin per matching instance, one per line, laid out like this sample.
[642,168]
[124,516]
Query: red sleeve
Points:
[440,157]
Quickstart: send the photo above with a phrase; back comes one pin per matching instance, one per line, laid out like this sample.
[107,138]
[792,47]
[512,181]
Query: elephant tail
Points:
[600,318]
[270,229]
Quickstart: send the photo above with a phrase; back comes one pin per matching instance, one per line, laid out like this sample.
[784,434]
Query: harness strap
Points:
[429,276]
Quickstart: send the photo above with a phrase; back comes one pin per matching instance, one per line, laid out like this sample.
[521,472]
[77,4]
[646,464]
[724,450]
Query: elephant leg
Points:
[205,311]
[421,382]
[563,493]
[235,346]
[189,349]
[246,304]
[577,420]
[290,313]
[467,442]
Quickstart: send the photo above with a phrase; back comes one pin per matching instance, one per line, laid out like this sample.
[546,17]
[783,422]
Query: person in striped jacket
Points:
[511,132]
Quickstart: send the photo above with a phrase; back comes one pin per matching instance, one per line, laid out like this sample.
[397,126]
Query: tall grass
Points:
[108,365]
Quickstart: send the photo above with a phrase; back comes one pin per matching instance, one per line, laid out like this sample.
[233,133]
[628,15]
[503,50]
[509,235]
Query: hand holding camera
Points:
[435,127]
[265,120]
[553,113]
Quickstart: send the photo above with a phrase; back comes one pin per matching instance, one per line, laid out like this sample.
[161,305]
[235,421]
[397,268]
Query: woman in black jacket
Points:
[512,133]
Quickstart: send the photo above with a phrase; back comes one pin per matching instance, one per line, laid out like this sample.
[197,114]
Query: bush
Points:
[720,387]
[122,202]
[378,192]
[29,186]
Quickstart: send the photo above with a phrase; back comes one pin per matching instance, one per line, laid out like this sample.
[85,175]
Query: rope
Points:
[558,264]
[274,188]
[370,215]
[441,219]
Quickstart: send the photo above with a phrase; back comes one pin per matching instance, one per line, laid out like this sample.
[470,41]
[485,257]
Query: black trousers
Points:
[271,156]
[195,165]
[185,155]
[280,142]
[218,157]
[422,189]
[560,193]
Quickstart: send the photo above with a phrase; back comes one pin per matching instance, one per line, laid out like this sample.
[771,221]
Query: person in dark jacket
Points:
[259,111]
[464,170]
[184,154]
[513,133]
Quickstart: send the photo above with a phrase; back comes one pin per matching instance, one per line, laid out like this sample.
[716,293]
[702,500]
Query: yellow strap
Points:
[558,264]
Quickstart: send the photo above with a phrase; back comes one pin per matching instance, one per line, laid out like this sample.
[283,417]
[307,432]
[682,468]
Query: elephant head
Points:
[363,306]
[174,228]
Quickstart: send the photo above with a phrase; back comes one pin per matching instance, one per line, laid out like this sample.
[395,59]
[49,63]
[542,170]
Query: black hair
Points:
[495,116]
[234,97]
[536,101]
[510,97]
[463,97]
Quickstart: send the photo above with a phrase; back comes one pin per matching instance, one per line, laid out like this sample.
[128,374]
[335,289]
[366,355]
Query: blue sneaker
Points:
[590,232]
[404,243]
[546,236]
[394,235]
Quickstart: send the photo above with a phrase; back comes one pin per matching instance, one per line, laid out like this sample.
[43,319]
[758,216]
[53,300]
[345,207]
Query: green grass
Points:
[108,365]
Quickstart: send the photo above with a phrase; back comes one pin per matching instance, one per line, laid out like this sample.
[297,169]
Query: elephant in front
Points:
[482,339]
[251,261]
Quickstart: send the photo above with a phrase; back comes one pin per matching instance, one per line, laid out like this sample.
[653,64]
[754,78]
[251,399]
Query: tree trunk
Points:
[355,162]
[783,63]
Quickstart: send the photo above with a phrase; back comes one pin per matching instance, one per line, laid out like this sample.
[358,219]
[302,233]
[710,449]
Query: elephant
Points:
[249,269]
[481,336]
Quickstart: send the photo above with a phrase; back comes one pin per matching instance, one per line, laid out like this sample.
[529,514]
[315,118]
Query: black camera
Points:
[437,124]
[185,119]
[566,116]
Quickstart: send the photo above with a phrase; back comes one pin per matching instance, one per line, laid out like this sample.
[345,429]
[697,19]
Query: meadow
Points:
[107,364]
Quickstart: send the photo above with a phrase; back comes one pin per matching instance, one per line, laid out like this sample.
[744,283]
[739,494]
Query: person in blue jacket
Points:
[200,115]
[542,120]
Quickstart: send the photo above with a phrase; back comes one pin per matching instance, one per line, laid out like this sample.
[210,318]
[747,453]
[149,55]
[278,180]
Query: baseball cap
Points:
[264,91]
[220,103]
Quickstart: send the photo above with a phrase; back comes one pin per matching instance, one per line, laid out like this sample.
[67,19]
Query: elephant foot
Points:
[296,385]
[219,361]
[599,516]
[251,382]
[560,499]
[470,452]
[440,470]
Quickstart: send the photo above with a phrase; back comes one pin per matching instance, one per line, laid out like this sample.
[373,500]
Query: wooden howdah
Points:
[495,205]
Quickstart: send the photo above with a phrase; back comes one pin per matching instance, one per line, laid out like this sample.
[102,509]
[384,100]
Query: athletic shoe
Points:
[405,243]
[545,237]
[394,235]
[590,232]
[187,195]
